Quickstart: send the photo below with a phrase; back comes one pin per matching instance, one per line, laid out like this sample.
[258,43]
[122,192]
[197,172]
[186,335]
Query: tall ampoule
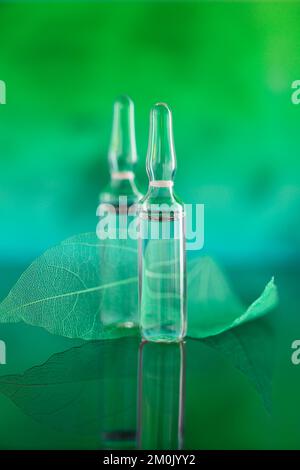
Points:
[162,267]
[117,211]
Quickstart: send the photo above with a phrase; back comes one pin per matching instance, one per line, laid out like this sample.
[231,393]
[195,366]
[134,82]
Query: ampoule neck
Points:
[120,188]
[161,190]
[122,155]
[122,151]
[161,158]
[159,195]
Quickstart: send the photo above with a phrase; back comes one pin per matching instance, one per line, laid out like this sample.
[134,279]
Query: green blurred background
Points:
[226,70]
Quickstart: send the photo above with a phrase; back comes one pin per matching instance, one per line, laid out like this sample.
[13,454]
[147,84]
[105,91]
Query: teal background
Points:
[226,70]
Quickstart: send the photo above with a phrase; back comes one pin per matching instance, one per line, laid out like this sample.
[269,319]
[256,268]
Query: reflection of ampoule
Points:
[118,250]
[118,394]
[161,396]
[162,276]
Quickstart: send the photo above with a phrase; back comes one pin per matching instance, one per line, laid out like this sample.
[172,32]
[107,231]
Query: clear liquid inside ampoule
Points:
[162,277]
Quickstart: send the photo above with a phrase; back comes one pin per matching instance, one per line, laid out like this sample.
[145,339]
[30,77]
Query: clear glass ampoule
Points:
[117,209]
[162,267]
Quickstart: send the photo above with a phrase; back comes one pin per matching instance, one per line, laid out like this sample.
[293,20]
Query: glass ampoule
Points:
[162,266]
[117,209]
[161,397]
